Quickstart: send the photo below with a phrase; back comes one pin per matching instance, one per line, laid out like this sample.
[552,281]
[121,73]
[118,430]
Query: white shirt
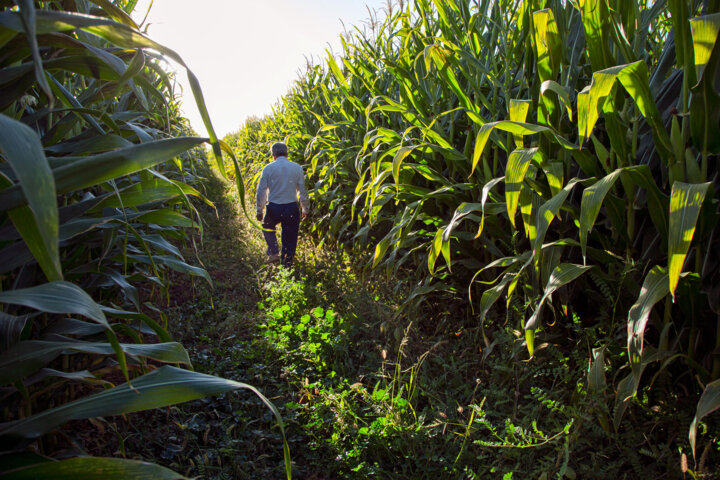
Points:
[281,182]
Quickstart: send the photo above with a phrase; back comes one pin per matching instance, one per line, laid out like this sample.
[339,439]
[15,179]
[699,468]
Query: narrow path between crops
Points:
[246,328]
[364,391]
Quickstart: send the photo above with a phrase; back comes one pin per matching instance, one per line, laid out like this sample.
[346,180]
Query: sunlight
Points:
[246,54]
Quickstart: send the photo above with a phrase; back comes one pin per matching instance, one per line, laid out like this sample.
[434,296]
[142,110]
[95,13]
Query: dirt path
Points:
[234,436]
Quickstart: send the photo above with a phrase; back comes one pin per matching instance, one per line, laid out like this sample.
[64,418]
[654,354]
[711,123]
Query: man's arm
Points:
[302,193]
[262,195]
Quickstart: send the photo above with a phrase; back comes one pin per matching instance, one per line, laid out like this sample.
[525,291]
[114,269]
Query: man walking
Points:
[281,183]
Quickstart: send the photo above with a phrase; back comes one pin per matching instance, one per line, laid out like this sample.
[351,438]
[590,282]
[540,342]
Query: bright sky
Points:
[247,53]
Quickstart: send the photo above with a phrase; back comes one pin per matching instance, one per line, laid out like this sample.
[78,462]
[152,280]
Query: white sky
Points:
[247,53]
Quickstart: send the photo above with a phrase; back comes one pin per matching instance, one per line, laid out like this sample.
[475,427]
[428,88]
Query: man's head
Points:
[279,149]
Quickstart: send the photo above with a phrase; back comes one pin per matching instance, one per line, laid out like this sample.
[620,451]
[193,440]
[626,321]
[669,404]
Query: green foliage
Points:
[479,146]
[316,335]
[99,175]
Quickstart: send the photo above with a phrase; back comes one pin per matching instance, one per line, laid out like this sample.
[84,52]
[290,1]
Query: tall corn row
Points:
[99,180]
[556,160]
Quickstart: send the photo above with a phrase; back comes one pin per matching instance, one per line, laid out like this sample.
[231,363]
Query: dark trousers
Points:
[288,216]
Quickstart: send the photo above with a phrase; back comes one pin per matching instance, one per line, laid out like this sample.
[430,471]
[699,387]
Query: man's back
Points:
[280,183]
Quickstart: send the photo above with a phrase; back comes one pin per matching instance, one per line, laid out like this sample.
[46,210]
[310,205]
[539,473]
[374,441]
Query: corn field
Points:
[546,162]
[100,176]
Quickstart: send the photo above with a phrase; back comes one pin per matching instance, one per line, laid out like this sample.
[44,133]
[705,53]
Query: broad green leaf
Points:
[437,248]
[492,295]
[123,36]
[595,20]
[73,326]
[705,102]
[174,263]
[655,288]
[95,169]
[162,387]
[555,174]
[529,202]
[485,192]
[399,158]
[31,355]
[547,213]
[96,144]
[626,390]
[116,13]
[337,73]
[561,92]
[380,250]
[547,44]
[462,212]
[518,112]
[167,217]
[56,297]
[517,167]
[596,370]
[28,15]
[145,192]
[686,201]
[634,78]
[515,128]
[10,329]
[592,200]
[64,297]
[80,376]
[704,32]
[93,468]
[562,275]
[38,224]
[679,13]
[709,402]
[161,333]
[444,60]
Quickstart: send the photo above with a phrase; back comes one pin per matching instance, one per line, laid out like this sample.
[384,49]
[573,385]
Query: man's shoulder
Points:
[269,167]
[296,165]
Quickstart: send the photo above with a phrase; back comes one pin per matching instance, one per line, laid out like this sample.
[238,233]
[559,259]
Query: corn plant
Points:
[551,158]
[99,178]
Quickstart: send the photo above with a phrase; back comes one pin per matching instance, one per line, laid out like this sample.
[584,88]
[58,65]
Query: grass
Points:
[367,391]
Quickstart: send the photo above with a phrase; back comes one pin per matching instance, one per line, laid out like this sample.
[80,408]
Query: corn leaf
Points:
[11,328]
[655,288]
[516,128]
[709,402]
[492,295]
[164,386]
[96,169]
[596,370]
[686,201]
[562,275]
[29,356]
[93,468]
[634,78]
[57,297]
[27,12]
[547,213]
[517,167]
[705,103]
[174,263]
[595,20]
[38,224]
[592,200]
[547,44]
[626,390]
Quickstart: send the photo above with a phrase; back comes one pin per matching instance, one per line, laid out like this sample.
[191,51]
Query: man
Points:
[281,183]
